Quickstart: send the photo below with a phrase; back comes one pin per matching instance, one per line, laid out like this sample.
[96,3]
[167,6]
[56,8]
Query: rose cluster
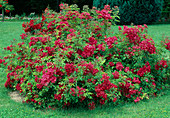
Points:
[67,59]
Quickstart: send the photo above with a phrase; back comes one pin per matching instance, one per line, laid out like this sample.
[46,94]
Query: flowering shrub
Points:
[68,58]
[5,8]
[4,4]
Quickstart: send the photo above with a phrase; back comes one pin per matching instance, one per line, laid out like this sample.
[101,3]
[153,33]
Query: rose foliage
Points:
[71,58]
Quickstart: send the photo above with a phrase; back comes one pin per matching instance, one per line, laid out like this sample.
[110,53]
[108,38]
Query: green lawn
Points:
[157,31]
[158,107]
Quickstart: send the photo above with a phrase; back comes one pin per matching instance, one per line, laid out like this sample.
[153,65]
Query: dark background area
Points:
[38,6]
[143,11]
[29,6]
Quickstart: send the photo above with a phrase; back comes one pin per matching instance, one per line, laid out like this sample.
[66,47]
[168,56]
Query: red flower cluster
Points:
[147,45]
[145,69]
[91,105]
[85,15]
[70,68]
[81,91]
[110,41]
[59,43]
[127,89]
[89,68]
[104,13]
[136,80]
[161,64]
[132,34]
[101,47]
[7,11]
[58,97]
[92,41]
[127,69]
[10,79]
[116,75]
[48,76]
[72,91]
[137,99]
[88,51]
[119,66]
[30,27]
[63,6]
[103,87]
[1,61]
[9,48]
[35,40]
[111,64]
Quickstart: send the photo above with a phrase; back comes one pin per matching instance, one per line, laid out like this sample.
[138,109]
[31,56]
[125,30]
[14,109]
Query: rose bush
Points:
[71,58]
[5,7]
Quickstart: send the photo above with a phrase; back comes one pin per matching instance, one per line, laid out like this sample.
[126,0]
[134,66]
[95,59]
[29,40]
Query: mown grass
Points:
[157,107]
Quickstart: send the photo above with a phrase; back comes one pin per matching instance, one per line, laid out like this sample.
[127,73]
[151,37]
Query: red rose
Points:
[119,66]
[111,64]
[137,99]
[39,103]
[145,26]
[116,75]
[114,100]
[119,28]
[0,5]
[7,11]
[127,69]
[1,61]
[91,105]
[146,80]
[58,97]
